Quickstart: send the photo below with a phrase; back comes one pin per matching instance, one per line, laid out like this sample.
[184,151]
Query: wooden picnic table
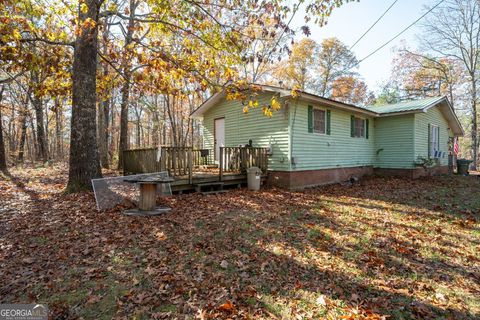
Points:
[148,190]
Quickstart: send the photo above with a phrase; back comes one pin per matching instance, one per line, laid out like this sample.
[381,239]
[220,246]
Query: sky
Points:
[351,20]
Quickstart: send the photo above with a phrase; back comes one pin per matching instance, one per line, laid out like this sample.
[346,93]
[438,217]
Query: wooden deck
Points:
[182,183]
[191,167]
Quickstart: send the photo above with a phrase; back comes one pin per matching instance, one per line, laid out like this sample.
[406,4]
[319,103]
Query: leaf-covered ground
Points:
[386,248]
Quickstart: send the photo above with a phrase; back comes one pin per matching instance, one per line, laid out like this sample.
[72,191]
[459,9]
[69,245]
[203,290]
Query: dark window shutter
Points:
[366,128]
[328,122]
[310,119]
[438,138]
[352,126]
[429,141]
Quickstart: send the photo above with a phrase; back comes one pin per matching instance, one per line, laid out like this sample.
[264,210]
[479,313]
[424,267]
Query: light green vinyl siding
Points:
[422,120]
[394,142]
[320,151]
[240,127]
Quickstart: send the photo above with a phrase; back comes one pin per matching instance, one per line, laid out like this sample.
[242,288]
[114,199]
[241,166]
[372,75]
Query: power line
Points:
[398,34]
[373,25]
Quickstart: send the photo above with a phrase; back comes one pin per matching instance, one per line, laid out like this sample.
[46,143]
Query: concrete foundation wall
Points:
[412,173]
[310,178]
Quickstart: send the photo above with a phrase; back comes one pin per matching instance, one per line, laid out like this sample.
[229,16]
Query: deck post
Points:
[244,154]
[221,164]
[123,162]
[163,165]
[174,154]
[190,165]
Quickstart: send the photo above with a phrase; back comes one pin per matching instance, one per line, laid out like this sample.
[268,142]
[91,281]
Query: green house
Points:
[314,140]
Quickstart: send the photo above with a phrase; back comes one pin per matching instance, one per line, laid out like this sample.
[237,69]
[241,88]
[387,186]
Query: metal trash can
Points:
[254,175]
[462,166]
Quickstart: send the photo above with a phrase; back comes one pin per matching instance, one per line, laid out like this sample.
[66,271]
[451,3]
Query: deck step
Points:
[215,183]
[209,186]
[214,191]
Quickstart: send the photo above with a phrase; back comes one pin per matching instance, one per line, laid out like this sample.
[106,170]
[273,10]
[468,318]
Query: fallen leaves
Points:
[28,260]
[389,247]
[321,300]
[227,307]
[160,236]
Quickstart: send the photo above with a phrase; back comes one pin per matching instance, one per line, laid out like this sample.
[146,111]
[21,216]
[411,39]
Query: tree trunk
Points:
[104,112]
[113,136]
[23,136]
[58,130]
[3,158]
[41,141]
[156,125]
[84,159]
[12,133]
[170,104]
[474,134]
[164,127]
[138,128]
[103,115]
[123,145]
[126,87]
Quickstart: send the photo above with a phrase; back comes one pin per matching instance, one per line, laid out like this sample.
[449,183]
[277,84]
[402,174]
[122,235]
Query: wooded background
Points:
[81,81]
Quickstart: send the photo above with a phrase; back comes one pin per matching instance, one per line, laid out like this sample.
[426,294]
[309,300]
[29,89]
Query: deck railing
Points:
[176,160]
[181,161]
[203,157]
[141,161]
[239,159]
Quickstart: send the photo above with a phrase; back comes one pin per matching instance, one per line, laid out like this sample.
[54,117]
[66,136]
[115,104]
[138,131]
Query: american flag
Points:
[456,147]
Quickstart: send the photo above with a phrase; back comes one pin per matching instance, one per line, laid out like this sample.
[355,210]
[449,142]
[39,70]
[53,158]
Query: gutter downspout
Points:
[292,130]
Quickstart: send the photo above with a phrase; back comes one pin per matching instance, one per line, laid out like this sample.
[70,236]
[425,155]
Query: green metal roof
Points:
[404,106]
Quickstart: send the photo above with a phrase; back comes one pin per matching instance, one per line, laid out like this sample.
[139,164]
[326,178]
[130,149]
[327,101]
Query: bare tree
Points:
[127,75]
[104,106]
[58,111]
[42,149]
[421,75]
[3,160]
[335,60]
[453,30]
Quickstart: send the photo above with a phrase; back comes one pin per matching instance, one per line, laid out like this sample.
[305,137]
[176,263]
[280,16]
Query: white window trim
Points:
[364,128]
[431,146]
[325,119]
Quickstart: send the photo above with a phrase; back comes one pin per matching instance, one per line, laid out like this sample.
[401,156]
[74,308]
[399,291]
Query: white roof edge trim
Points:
[336,104]
[452,119]
[458,131]
[433,104]
[210,102]
[399,113]
[451,111]
[283,92]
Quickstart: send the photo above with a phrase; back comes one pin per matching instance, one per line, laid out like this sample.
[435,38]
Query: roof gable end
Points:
[304,96]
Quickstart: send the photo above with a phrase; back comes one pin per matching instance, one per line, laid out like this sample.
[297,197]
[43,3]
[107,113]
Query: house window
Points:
[433,140]
[359,128]
[319,121]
